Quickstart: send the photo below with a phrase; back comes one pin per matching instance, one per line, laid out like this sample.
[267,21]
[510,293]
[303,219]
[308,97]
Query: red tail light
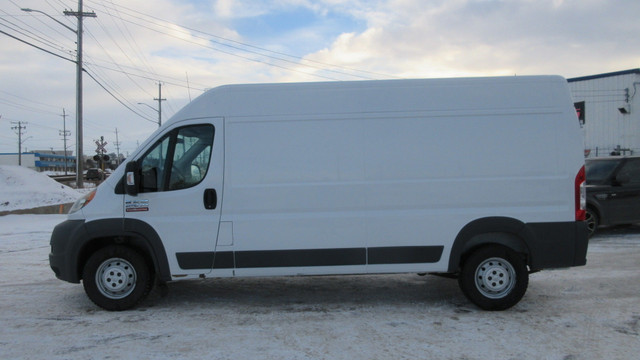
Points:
[581,195]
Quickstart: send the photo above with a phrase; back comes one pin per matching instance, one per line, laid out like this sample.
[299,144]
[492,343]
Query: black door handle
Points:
[210,199]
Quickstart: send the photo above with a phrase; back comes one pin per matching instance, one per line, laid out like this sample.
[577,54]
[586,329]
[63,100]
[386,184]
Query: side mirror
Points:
[132,177]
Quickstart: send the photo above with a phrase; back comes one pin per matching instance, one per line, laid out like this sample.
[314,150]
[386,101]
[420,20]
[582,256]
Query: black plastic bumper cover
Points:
[557,245]
[64,235]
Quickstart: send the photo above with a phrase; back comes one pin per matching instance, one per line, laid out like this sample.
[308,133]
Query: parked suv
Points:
[613,191]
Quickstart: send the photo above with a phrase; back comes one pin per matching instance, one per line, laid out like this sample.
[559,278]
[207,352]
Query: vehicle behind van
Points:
[481,179]
[613,191]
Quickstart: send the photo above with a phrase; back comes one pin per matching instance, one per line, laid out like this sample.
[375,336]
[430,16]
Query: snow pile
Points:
[23,188]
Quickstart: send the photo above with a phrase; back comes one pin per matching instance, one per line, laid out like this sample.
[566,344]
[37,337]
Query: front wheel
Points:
[116,278]
[494,278]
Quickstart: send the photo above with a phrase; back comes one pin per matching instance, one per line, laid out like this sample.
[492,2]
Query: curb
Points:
[42,210]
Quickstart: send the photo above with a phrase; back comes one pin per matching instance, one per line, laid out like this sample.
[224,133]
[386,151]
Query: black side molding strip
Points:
[310,257]
[405,255]
[292,258]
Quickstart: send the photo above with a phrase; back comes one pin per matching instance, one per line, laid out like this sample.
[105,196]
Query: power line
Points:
[90,75]
[51,53]
[46,24]
[120,7]
[24,107]
[115,97]
[231,53]
[37,47]
[120,13]
[113,89]
[63,5]
[249,48]
[109,55]
[28,100]
[149,76]
[137,50]
[31,35]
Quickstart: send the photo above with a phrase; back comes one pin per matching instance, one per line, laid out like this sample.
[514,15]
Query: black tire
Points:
[593,221]
[116,278]
[494,278]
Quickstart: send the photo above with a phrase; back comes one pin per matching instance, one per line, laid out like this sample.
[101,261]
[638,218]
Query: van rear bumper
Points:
[557,244]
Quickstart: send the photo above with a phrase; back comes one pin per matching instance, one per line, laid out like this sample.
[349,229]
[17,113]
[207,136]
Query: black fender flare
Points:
[134,232]
[505,231]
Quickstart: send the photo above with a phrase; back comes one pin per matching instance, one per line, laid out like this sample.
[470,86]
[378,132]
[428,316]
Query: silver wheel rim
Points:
[591,222]
[495,278]
[116,278]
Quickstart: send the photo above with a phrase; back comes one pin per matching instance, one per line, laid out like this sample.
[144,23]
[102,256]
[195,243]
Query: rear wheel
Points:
[494,278]
[592,220]
[116,278]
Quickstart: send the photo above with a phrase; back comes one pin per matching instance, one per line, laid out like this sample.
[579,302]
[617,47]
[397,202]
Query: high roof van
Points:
[477,178]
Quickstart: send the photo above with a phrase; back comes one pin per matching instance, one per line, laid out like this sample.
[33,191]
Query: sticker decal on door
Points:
[136,205]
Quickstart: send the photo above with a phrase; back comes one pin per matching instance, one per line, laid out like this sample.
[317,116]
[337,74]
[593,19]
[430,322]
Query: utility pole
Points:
[117,144]
[19,127]
[79,156]
[160,100]
[64,133]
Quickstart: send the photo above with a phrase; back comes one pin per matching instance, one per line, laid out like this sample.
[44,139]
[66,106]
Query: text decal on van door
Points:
[136,205]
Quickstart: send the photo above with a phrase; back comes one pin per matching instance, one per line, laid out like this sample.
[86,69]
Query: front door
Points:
[180,192]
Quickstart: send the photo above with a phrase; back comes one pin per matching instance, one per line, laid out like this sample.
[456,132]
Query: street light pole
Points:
[156,110]
[49,16]
[79,155]
[78,14]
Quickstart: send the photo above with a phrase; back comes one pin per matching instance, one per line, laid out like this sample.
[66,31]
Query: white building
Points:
[608,107]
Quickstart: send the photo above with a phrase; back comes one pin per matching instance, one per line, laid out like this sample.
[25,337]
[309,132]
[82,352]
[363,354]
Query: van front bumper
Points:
[63,258]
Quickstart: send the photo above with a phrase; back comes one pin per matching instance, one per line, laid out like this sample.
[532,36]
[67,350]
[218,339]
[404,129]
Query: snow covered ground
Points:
[23,188]
[590,312]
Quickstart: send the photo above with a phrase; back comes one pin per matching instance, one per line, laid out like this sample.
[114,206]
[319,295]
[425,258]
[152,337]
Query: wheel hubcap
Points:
[495,278]
[116,278]
[591,222]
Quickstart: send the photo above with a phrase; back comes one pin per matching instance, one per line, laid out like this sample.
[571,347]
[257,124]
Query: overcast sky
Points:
[193,45]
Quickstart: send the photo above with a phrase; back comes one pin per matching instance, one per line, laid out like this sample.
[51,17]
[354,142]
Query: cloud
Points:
[461,38]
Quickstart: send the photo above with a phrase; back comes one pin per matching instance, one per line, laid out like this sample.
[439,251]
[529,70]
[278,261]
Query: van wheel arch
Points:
[506,232]
[137,235]
[137,244]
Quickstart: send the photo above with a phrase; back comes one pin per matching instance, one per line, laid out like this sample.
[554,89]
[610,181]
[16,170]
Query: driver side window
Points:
[177,161]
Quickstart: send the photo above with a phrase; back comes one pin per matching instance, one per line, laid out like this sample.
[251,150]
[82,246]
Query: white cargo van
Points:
[480,178]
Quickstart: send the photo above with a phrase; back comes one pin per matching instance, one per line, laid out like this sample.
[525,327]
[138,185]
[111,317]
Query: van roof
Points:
[370,96]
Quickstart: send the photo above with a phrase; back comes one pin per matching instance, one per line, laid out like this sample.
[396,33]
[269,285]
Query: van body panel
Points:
[368,179]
